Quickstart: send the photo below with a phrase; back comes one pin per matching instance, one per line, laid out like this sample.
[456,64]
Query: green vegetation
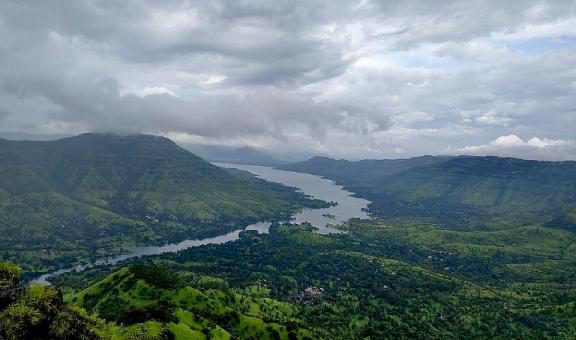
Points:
[138,298]
[359,173]
[38,312]
[144,301]
[460,247]
[376,281]
[460,192]
[68,200]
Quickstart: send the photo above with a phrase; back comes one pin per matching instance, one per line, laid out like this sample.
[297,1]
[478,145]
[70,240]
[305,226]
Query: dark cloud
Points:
[352,78]
[257,41]
[455,20]
[3,114]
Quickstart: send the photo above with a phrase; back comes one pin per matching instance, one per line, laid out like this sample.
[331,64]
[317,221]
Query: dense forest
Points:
[376,281]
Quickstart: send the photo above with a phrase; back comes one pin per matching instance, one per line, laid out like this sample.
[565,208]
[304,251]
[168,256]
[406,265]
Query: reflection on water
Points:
[348,207]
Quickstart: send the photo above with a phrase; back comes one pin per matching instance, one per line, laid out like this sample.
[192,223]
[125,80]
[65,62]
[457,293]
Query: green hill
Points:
[150,300]
[358,173]
[459,190]
[142,302]
[76,197]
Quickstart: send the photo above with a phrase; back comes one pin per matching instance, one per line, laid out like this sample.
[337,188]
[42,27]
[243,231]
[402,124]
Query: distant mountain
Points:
[70,197]
[484,191]
[358,173]
[31,136]
[225,154]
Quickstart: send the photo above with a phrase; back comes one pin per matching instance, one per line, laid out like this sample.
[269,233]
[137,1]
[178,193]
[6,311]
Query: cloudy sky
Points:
[355,79]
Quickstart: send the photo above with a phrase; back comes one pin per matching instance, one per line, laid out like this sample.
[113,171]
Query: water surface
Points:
[348,206]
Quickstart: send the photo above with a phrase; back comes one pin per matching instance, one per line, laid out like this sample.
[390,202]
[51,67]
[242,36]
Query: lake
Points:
[348,206]
[317,187]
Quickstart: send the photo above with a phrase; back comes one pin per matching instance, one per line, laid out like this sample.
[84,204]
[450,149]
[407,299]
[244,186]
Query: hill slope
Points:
[153,300]
[459,189]
[359,173]
[75,196]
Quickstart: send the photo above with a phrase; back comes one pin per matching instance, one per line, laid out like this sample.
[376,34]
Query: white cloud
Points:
[155,90]
[555,29]
[412,117]
[514,146]
[478,49]
[493,118]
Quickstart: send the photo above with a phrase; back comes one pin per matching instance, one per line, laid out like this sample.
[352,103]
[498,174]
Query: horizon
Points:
[353,79]
[269,153]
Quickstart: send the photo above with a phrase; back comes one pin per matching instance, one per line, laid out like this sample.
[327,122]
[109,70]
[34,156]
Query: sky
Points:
[348,79]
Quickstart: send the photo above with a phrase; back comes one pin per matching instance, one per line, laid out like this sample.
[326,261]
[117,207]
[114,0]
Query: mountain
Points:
[358,173]
[79,196]
[457,190]
[225,154]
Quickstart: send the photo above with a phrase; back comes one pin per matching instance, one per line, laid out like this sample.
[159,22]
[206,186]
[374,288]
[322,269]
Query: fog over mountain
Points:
[354,79]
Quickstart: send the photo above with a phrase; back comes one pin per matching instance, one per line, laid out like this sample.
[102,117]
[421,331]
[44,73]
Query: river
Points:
[317,187]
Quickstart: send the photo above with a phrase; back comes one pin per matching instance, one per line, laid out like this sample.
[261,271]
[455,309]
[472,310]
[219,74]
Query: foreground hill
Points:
[457,190]
[151,300]
[74,197]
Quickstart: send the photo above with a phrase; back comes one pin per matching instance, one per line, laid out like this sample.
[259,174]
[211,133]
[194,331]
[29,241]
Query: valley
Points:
[424,259]
[66,201]
[344,207]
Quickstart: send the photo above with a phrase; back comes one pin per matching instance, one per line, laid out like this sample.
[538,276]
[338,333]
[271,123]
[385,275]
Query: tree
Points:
[38,312]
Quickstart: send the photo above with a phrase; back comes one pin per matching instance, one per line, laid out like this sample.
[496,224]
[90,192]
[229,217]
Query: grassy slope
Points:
[217,313]
[67,199]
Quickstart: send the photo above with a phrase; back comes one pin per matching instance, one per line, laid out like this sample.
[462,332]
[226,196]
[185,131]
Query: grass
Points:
[222,314]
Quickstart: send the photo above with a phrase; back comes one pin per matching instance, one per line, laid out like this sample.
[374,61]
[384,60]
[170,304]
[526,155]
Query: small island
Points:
[329,216]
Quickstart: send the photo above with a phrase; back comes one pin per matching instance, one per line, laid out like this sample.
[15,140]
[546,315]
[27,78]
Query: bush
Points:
[9,275]
[38,312]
